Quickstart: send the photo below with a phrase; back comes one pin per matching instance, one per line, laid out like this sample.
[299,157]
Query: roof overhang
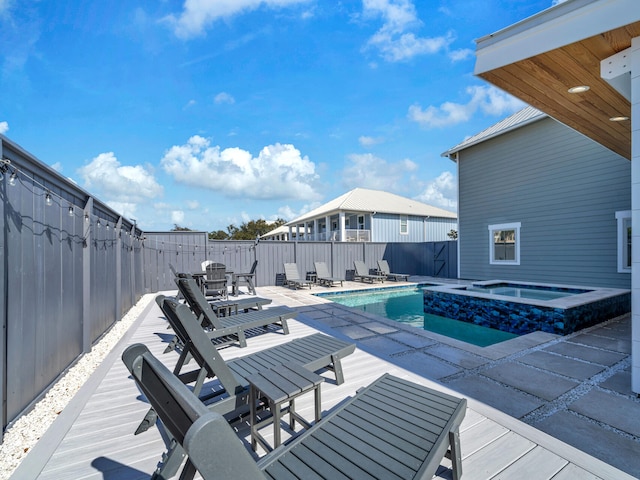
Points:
[577,42]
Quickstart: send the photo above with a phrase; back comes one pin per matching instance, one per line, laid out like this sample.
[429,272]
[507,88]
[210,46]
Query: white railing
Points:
[350,235]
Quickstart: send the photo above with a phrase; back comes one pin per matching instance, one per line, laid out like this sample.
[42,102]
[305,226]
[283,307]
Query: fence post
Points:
[117,231]
[86,278]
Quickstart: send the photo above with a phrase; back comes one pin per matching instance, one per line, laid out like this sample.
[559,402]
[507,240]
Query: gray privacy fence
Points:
[187,250]
[72,266]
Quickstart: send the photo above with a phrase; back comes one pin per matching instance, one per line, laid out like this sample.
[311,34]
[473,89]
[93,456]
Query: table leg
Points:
[318,404]
[277,414]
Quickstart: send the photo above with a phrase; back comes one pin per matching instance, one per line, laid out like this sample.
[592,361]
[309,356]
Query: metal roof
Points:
[523,117]
[370,201]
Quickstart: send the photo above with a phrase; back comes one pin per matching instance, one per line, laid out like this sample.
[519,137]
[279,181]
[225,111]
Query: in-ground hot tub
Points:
[523,307]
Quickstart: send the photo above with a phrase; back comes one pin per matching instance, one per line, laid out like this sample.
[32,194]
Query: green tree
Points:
[178,228]
[218,235]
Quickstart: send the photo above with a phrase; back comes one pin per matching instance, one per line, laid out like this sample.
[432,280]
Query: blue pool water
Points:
[406,305]
[525,291]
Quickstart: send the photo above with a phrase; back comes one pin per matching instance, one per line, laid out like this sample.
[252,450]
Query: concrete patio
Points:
[531,399]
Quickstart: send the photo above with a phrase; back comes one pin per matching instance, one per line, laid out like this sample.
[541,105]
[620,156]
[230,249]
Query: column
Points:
[635,215]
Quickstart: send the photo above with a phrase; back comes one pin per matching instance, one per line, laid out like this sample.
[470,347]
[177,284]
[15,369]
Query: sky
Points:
[210,113]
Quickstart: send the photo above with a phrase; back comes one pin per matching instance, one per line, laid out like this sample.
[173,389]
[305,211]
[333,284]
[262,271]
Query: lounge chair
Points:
[244,279]
[391,429]
[241,322]
[231,396]
[362,273]
[219,307]
[215,282]
[324,277]
[293,278]
[383,268]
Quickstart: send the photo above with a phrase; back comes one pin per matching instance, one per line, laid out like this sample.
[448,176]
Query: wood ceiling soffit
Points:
[616,137]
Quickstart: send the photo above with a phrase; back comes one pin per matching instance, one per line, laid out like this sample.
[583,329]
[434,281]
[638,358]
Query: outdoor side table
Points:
[279,387]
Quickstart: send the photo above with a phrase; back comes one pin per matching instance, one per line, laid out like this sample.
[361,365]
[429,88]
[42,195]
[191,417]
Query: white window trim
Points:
[622,240]
[406,219]
[504,226]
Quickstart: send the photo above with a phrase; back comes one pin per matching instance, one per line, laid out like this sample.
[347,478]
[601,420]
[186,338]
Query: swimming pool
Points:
[524,307]
[405,305]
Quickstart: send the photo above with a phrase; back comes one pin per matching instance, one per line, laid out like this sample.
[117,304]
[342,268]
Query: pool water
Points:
[523,292]
[406,306]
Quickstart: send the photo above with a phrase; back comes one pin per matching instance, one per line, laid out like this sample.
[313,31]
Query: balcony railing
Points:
[351,235]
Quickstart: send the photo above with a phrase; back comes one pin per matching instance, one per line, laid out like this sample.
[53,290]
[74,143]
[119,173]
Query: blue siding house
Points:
[363,215]
[541,202]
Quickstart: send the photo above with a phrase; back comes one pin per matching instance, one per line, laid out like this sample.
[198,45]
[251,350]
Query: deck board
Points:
[99,442]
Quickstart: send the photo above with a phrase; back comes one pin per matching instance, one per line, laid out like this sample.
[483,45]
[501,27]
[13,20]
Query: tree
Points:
[178,228]
[218,235]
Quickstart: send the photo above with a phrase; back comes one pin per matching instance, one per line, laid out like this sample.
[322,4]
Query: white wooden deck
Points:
[93,438]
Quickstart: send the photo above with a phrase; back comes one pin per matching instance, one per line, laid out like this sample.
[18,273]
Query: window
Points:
[360,222]
[404,225]
[504,242]
[624,241]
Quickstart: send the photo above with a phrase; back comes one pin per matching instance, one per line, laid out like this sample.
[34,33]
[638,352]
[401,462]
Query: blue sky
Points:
[210,113]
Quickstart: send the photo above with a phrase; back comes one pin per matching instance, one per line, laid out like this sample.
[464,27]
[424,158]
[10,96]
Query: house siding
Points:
[563,188]
[386,228]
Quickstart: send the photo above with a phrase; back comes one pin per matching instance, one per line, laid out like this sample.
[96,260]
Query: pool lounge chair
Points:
[230,395]
[241,322]
[194,297]
[324,277]
[392,428]
[362,273]
[293,278]
[383,269]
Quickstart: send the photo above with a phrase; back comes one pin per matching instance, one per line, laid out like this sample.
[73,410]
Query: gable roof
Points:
[519,119]
[368,201]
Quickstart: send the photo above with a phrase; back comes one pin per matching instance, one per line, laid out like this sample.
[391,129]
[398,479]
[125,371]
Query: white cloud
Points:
[279,171]
[366,141]
[289,214]
[556,2]
[441,192]
[193,204]
[461,54]
[127,210]
[489,100]
[189,104]
[197,15]
[109,178]
[224,97]
[57,166]
[4,127]
[394,40]
[368,171]
[177,217]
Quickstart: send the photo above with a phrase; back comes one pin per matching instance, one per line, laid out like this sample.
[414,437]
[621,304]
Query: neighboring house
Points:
[538,201]
[282,233]
[363,215]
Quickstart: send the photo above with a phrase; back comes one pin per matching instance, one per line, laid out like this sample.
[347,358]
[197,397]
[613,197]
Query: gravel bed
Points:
[20,437]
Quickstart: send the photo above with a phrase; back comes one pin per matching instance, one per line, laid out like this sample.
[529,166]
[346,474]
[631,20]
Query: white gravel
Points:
[20,438]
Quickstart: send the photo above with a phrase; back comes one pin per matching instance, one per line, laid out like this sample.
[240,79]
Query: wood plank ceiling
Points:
[543,82]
